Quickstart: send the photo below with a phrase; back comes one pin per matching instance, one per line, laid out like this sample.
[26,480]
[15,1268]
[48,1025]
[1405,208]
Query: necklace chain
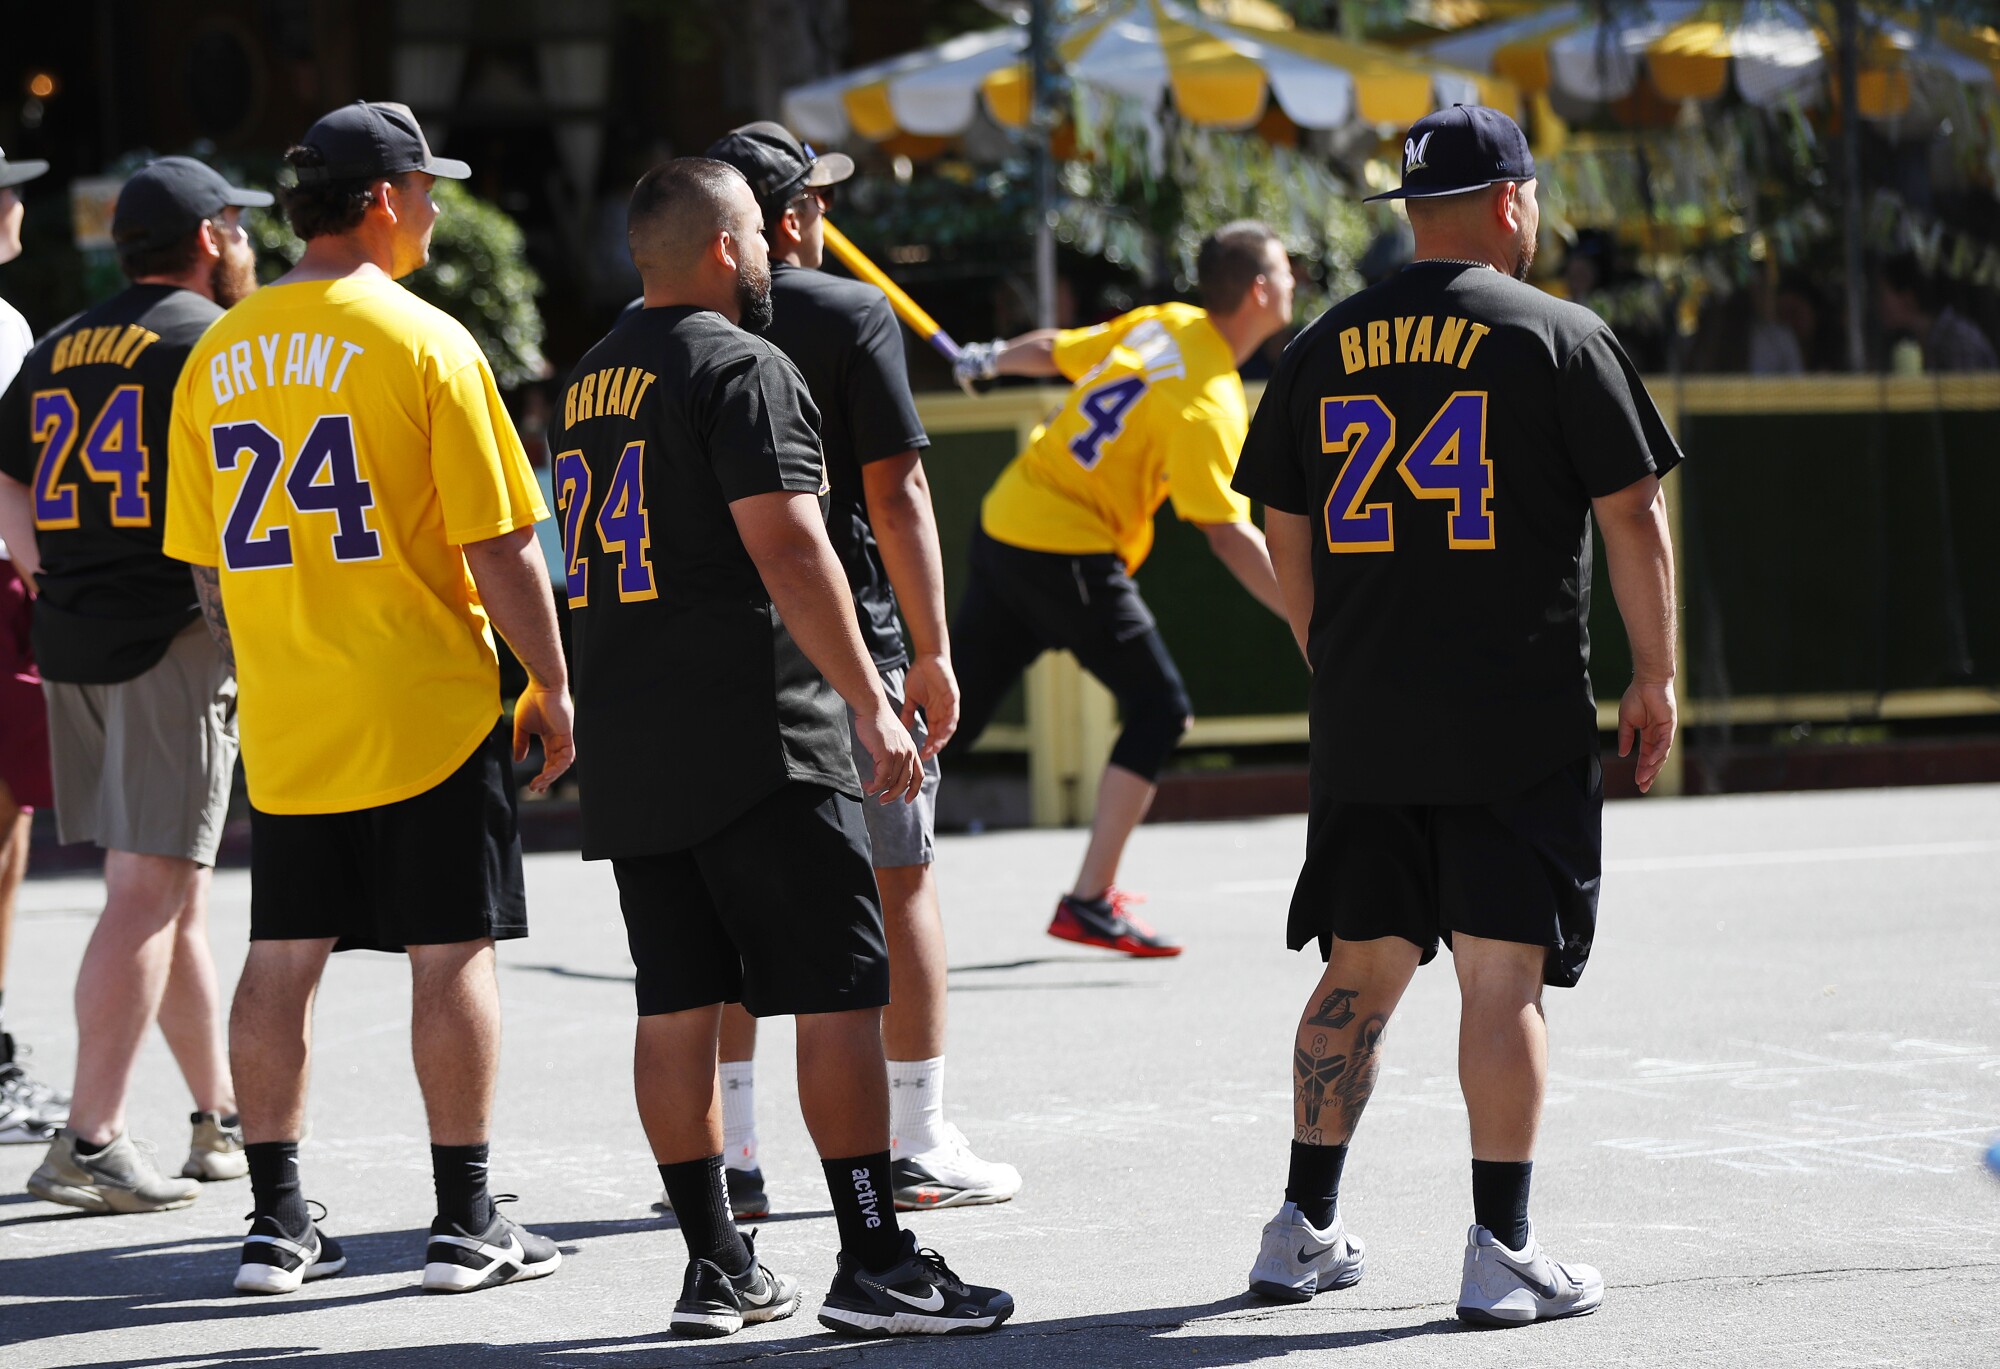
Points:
[1456,261]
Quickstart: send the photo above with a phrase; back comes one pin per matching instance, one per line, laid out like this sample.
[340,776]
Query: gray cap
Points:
[13,173]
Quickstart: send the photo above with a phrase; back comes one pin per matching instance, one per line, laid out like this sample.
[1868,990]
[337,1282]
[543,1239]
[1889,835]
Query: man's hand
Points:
[977,362]
[899,772]
[1649,713]
[545,713]
[931,686]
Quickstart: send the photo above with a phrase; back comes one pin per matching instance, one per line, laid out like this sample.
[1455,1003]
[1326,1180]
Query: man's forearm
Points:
[1031,354]
[208,589]
[1640,557]
[514,588]
[899,509]
[17,528]
[1289,538]
[805,581]
[1241,547]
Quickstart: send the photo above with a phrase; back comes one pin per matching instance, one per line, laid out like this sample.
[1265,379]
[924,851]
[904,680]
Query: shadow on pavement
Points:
[1142,1338]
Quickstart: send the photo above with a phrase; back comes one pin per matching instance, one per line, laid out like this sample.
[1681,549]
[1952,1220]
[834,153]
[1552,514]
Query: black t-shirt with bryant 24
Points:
[84,426]
[1446,431]
[693,701]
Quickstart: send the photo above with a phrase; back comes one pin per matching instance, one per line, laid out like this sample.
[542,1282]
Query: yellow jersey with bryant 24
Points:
[335,444]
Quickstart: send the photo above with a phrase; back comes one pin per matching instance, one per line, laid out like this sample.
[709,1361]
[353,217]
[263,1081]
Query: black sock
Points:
[701,1205]
[1314,1182]
[864,1207]
[83,1147]
[1500,1199]
[274,1184]
[459,1172]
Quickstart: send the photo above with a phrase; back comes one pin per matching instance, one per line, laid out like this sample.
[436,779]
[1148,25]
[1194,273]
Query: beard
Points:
[753,298]
[1524,255]
[233,276]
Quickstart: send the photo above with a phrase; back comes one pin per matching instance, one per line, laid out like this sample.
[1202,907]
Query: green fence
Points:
[1832,533]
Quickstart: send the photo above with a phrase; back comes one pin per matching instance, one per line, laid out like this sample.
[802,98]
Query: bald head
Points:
[697,237]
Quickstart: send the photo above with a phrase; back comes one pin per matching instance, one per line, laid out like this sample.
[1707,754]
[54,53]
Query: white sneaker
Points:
[950,1175]
[216,1149]
[1298,1260]
[1505,1287]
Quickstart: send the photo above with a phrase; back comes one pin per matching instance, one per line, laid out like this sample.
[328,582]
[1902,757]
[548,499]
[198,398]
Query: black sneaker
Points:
[920,1296]
[461,1261]
[275,1262]
[717,1304]
[747,1200]
[1108,922]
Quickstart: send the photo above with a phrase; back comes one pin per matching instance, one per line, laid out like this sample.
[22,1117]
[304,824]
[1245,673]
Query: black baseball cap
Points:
[166,200]
[777,165]
[1466,147]
[367,140]
[13,173]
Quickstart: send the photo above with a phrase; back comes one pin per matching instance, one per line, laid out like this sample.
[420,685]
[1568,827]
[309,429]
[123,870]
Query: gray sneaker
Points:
[1503,1287]
[1297,1260]
[216,1152]
[29,1099]
[119,1178]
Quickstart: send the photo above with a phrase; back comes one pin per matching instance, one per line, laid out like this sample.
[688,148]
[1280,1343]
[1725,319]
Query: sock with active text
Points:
[274,1185]
[864,1207]
[916,1106]
[1313,1183]
[459,1172]
[1500,1199]
[701,1206]
[739,1113]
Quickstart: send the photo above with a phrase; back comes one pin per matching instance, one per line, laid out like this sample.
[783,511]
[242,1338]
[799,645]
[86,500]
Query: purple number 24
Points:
[326,478]
[1447,461]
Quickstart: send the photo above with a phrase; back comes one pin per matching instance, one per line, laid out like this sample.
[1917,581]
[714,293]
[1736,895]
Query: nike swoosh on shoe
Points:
[1548,1291]
[933,1303]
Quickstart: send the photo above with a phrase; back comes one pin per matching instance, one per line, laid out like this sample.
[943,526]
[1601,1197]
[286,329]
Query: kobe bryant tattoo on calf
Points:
[1335,1010]
[1352,1089]
[1315,1072]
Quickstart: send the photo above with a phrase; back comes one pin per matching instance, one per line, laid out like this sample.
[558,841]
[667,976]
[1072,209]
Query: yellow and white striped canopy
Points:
[1770,50]
[1221,74]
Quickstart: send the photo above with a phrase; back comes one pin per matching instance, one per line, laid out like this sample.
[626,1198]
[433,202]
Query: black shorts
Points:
[1020,603]
[777,911]
[1524,869]
[439,867]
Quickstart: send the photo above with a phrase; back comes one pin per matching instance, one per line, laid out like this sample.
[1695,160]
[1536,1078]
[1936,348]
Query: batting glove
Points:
[977,361]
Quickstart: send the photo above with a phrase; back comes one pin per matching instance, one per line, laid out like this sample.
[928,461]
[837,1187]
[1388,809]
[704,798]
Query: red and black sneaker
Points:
[1107,922]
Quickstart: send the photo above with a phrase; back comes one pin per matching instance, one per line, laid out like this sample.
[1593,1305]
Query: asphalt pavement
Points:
[1770,1100]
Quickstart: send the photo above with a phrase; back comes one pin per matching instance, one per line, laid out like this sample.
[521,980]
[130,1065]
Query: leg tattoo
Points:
[1336,1011]
[1351,1091]
[1316,1071]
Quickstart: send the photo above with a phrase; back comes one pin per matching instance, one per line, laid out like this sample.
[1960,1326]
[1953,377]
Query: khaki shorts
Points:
[144,766]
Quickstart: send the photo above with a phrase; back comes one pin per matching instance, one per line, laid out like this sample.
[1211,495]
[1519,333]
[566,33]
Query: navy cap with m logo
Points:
[1466,147]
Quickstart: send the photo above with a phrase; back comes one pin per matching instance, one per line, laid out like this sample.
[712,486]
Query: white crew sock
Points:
[916,1106]
[739,1114]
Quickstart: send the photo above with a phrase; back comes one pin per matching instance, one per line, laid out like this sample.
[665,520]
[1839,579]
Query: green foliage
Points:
[478,273]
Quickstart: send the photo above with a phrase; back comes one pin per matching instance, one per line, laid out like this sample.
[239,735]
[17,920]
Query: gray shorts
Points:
[899,833]
[144,766]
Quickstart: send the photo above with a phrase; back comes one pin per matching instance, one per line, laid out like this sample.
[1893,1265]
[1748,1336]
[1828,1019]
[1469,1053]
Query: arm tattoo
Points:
[208,587]
[1354,1087]
[1315,1072]
[1336,1011]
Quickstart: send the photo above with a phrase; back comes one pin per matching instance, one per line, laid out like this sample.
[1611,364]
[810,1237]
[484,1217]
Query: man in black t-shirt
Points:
[141,700]
[846,342]
[1430,453]
[715,642]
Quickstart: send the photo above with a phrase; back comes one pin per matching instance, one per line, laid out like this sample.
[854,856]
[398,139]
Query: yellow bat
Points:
[907,309]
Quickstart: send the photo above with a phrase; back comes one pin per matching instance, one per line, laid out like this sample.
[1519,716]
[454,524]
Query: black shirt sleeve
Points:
[1614,435]
[17,450]
[881,412]
[762,431]
[1271,470]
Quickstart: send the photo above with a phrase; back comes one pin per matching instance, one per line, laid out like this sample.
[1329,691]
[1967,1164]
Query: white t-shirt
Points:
[16,338]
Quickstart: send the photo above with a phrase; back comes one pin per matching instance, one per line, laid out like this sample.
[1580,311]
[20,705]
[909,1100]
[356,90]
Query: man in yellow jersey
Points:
[348,487]
[1157,412]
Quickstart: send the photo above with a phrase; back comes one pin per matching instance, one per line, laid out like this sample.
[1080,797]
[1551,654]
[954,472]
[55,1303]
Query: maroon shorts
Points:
[24,719]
